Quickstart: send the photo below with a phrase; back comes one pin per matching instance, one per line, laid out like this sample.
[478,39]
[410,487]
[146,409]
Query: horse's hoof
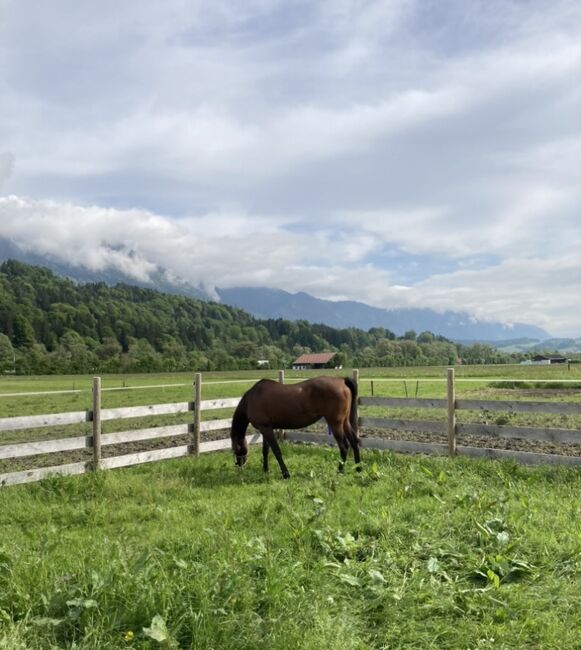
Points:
[341,468]
[358,468]
[286,475]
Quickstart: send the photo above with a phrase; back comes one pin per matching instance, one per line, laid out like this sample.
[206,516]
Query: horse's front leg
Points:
[269,439]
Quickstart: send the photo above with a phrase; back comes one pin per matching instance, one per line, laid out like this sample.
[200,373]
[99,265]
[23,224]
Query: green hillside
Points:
[49,324]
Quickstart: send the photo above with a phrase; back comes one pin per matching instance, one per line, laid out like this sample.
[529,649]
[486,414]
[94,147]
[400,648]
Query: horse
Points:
[270,405]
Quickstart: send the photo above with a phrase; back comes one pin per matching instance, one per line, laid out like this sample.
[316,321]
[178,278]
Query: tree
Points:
[23,332]
[7,355]
[426,337]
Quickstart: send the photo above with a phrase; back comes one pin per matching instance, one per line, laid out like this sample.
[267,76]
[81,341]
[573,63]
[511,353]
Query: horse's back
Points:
[270,403]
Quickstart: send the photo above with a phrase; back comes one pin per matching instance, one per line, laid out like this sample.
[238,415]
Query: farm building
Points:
[314,361]
[549,359]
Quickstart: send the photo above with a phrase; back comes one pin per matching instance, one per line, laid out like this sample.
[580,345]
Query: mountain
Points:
[159,279]
[275,303]
[562,346]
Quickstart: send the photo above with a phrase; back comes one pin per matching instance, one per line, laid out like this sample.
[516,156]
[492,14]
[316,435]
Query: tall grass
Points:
[411,553]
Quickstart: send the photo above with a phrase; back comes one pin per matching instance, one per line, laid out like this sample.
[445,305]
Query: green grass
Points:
[478,382]
[411,553]
[127,390]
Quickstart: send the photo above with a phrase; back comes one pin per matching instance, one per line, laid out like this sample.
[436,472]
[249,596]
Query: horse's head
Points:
[240,449]
[238,433]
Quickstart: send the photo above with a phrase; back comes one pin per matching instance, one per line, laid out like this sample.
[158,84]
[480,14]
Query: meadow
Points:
[24,395]
[414,552]
[194,553]
[30,395]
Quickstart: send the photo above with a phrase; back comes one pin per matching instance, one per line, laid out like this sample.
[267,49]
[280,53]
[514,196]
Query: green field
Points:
[20,396]
[412,553]
[23,395]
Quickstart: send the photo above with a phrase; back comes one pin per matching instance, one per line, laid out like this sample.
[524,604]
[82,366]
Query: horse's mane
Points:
[239,419]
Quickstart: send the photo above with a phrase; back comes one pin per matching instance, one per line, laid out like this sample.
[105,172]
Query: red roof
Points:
[321,357]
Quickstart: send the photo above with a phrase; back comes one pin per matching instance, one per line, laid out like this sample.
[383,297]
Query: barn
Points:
[314,361]
[542,359]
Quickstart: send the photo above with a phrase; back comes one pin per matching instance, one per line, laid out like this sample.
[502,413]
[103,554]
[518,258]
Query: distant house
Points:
[314,361]
[546,359]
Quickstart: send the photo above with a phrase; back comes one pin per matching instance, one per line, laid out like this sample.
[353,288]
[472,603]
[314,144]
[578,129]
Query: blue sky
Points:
[404,153]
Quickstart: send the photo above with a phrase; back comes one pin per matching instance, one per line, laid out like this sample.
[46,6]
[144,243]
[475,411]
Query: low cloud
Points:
[228,250]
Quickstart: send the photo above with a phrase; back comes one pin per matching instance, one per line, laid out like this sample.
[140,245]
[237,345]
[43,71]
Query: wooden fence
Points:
[96,440]
[452,429]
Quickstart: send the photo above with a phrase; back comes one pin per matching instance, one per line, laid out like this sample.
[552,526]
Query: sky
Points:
[403,153]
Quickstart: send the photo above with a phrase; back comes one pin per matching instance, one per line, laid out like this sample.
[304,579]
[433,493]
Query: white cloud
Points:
[348,148]
[6,166]
[232,250]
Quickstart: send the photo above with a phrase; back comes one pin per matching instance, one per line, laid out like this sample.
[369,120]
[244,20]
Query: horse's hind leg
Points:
[342,443]
[354,442]
[265,450]
[269,439]
[343,450]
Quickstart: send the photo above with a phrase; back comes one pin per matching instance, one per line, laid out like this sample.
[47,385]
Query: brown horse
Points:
[269,405]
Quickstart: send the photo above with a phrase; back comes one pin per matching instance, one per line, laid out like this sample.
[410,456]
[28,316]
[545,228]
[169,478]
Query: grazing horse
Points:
[270,405]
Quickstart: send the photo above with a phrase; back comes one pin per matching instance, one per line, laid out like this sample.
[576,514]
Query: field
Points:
[24,395]
[412,553]
[41,395]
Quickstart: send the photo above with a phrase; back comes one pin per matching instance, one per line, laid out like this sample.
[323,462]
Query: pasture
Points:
[31,395]
[414,552]
[194,553]
[26,396]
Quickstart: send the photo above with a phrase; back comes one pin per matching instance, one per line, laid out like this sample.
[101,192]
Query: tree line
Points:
[52,325]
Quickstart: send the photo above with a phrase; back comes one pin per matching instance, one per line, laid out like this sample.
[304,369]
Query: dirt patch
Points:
[515,444]
[538,393]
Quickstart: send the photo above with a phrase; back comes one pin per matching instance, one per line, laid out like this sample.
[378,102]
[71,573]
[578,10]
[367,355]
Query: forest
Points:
[52,325]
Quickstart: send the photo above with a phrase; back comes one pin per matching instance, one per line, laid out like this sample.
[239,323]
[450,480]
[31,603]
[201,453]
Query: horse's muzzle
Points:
[240,460]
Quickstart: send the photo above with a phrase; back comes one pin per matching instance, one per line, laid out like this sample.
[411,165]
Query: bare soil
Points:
[514,444]
[49,460]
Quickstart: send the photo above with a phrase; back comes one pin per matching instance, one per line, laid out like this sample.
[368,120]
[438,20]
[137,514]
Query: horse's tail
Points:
[353,410]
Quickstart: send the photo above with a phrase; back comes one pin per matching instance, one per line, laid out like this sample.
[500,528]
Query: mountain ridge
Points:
[277,303]
[263,302]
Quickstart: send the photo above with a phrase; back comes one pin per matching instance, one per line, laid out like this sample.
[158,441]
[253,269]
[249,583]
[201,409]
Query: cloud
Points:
[228,249]
[401,152]
[6,166]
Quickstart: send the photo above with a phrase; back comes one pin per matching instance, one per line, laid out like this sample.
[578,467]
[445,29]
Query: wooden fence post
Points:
[451,413]
[96,423]
[195,446]
[355,378]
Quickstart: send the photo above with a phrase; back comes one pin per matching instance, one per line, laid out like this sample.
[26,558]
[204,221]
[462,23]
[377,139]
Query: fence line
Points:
[97,440]
[76,391]
[215,382]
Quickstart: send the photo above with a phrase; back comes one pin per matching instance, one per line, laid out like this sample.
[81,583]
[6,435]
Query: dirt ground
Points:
[516,444]
[31,462]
